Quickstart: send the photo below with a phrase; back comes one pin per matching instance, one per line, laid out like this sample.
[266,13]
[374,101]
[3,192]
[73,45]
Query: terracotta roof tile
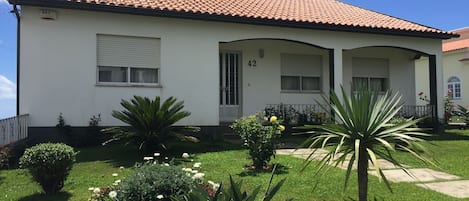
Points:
[457,43]
[328,12]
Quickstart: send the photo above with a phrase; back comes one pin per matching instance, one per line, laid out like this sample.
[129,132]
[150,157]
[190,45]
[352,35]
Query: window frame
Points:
[300,90]
[368,87]
[128,78]
[453,85]
[130,66]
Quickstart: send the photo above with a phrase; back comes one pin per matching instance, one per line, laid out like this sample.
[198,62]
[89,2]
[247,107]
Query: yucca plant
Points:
[363,133]
[151,122]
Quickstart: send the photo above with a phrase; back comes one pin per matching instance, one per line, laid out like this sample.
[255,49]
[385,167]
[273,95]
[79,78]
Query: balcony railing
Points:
[13,129]
[301,114]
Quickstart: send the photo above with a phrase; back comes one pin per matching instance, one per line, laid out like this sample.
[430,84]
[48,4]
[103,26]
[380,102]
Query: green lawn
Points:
[95,165]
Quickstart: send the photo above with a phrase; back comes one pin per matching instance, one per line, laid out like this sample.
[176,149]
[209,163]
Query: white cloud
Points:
[4,1]
[7,88]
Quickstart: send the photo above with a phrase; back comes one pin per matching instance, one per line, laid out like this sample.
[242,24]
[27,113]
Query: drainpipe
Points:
[18,18]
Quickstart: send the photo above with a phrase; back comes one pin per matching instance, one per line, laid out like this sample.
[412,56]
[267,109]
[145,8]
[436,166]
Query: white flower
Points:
[197,165]
[121,167]
[216,186]
[166,158]
[156,154]
[198,176]
[91,188]
[211,182]
[185,155]
[187,169]
[148,158]
[112,194]
[96,190]
[160,197]
[194,171]
[115,174]
[116,182]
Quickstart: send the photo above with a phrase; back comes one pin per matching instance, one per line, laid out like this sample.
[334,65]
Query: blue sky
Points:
[442,14]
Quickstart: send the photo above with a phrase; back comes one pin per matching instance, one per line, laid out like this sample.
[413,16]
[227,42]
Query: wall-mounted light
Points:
[261,53]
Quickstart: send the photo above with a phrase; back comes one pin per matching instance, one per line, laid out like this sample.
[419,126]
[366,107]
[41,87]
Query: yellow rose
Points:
[273,119]
[282,128]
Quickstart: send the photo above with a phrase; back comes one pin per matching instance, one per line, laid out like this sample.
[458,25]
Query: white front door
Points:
[230,86]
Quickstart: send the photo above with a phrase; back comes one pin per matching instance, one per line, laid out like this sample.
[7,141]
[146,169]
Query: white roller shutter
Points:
[304,65]
[370,67]
[127,51]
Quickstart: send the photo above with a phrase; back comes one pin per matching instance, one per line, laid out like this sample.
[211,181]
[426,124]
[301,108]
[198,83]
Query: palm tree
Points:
[151,122]
[364,132]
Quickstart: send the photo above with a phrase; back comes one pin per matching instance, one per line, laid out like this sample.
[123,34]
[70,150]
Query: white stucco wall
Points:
[452,66]
[58,63]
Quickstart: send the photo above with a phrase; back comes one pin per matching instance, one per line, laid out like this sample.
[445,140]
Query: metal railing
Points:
[295,114]
[418,111]
[13,129]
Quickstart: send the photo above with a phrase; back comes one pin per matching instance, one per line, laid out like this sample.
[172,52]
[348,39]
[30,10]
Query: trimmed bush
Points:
[260,137]
[49,164]
[155,182]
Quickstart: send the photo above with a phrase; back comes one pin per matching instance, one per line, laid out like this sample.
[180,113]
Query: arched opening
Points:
[257,72]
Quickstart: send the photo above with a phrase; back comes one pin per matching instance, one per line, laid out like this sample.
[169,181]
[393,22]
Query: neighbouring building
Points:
[455,69]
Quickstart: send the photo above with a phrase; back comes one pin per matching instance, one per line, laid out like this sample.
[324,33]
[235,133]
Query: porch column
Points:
[337,71]
[434,100]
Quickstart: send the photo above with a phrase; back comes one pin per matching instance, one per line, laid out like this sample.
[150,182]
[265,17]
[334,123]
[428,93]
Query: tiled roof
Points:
[329,13]
[457,43]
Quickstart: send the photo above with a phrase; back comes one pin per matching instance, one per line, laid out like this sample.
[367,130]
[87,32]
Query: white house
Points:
[224,58]
[455,61]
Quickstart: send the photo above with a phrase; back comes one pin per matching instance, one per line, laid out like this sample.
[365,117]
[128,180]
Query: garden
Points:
[153,160]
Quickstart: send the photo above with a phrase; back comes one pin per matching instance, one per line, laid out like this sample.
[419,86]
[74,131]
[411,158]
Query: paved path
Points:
[442,182]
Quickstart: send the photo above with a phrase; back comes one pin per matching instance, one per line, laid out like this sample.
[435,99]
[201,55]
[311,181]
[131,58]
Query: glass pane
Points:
[112,74]
[143,75]
[290,82]
[453,79]
[310,83]
[457,90]
[359,83]
[378,84]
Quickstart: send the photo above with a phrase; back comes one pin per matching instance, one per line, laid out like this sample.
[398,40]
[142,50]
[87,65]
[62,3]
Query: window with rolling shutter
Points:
[127,59]
[370,74]
[300,73]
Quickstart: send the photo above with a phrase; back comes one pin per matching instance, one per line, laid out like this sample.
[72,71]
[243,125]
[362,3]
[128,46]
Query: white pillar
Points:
[338,70]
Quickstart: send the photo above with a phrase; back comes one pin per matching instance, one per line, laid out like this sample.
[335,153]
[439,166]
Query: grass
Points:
[95,165]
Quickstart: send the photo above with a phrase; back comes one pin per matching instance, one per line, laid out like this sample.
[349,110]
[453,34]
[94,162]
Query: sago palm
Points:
[150,122]
[362,133]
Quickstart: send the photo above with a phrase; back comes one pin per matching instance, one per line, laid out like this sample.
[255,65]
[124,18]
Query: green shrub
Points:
[49,164]
[151,122]
[261,140]
[151,181]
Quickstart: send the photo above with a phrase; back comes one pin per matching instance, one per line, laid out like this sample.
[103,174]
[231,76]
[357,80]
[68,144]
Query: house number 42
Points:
[252,63]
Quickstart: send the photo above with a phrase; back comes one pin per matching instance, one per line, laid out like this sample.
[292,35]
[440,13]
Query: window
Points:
[369,83]
[128,60]
[370,74]
[454,85]
[300,73]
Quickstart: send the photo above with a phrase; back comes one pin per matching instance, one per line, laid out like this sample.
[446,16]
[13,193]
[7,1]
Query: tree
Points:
[363,131]
[151,122]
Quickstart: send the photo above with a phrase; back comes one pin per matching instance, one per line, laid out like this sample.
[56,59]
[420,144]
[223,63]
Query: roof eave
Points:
[226,18]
